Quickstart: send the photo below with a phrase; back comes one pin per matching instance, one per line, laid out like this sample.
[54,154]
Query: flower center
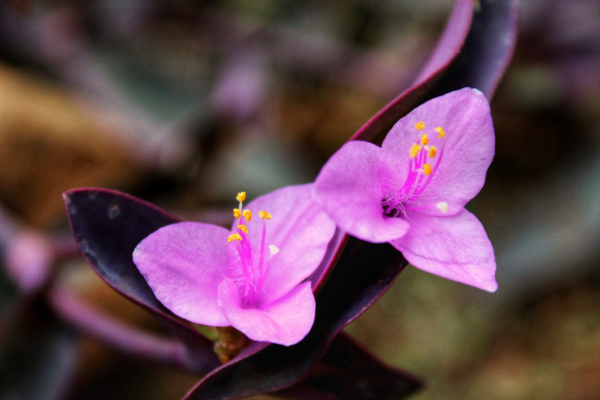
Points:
[425,157]
[251,267]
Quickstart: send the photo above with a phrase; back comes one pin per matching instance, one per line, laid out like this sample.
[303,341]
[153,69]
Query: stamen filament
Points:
[262,266]
[252,270]
[425,157]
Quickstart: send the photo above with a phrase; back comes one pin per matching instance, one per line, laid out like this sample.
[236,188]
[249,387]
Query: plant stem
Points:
[116,335]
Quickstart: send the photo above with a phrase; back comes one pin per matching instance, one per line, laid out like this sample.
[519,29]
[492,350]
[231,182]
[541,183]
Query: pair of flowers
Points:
[410,192]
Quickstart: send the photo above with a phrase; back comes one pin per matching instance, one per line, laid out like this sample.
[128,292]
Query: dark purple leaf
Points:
[334,251]
[365,271]
[302,391]
[348,371]
[487,50]
[450,43]
[107,226]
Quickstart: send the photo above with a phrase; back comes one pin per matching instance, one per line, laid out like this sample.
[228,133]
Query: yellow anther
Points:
[237,213]
[420,125]
[441,132]
[247,215]
[264,215]
[243,228]
[234,236]
[424,140]
[427,170]
[241,196]
[414,150]
[432,151]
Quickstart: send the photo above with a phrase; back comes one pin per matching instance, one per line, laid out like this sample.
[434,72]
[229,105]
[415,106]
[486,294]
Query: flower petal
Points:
[455,247]
[285,321]
[349,189]
[467,152]
[301,231]
[183,264]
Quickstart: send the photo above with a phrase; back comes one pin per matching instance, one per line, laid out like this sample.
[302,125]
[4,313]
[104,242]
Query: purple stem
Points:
[116,335]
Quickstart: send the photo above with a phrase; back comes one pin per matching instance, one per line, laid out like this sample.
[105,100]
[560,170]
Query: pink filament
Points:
[414,186]
[250,279]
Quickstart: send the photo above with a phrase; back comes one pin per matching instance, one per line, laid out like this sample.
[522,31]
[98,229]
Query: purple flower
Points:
[252,277]
[412,190]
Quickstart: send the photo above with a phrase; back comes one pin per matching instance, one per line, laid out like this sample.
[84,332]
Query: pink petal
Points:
[455,247]
[299,228]
[468,149]
[285,321]
[350,191]
[183,264]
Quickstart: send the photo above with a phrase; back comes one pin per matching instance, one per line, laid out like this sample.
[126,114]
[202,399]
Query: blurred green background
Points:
[184,103]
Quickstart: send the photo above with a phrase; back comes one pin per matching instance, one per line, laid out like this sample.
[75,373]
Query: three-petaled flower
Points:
[253,277]
[412,190]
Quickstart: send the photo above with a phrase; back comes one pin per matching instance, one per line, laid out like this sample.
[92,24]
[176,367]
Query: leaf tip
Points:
[67,197]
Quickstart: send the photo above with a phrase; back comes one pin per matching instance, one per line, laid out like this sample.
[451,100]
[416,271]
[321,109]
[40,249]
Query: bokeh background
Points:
[184,103]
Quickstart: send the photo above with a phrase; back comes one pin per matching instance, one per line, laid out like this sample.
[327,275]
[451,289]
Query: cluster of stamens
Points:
[252,271]
[424,161]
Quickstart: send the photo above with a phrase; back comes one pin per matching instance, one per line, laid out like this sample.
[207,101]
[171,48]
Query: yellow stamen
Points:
[237,213]
[441,132]
[264,215]
[432,151]
[420,125]
[247,215]
[427,170]
[424,140]
[243,228]
[234,236]
[414,150]
[241,196]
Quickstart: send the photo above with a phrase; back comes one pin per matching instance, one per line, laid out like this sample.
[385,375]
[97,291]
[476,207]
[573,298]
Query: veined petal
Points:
[301,231]
[350,191]
[183,264]
[468,149]
[285,321]
[455,247]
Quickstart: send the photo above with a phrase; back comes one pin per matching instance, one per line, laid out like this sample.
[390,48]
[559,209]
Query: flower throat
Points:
[252,264]
[425,157]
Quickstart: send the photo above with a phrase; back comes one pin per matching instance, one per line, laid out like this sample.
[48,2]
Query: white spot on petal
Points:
[273,249]
[442,206]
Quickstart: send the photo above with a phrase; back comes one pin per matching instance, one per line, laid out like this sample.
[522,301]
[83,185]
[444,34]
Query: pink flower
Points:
[412,190]
[252,277]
